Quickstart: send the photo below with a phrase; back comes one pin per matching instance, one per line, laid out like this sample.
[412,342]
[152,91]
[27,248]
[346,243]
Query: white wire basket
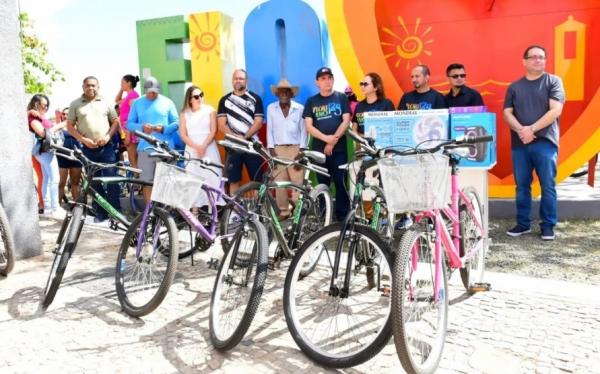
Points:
[175,187]
[415,183]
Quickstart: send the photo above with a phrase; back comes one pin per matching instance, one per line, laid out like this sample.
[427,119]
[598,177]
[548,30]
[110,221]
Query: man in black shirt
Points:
[460,94]
[327,116]
[423,97]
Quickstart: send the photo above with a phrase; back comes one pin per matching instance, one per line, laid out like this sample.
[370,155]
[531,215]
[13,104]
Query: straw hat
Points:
[284,83]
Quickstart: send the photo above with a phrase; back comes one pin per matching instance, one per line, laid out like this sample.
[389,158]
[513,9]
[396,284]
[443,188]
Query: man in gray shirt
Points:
[532,107]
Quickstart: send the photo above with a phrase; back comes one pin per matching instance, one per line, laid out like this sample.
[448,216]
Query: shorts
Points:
[233,170]
[147,164]
[64,163]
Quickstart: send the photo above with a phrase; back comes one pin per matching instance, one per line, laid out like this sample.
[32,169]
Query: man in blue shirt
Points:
[156,115]
[327,116]
[423,97]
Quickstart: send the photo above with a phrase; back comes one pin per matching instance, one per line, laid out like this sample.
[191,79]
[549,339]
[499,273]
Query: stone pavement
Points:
[523,325]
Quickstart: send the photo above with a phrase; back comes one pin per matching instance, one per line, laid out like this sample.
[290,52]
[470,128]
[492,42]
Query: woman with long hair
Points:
[128,83]
[372,87]
[38,124]
[197,128]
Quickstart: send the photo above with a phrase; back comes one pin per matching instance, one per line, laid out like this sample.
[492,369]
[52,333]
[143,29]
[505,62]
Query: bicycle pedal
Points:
[479,287]
[213,263]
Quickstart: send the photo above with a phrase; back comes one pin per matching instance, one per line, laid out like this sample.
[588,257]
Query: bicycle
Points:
[339,315]
[7,244]
[74,221]
[242,272]
[419,282]
[312,211]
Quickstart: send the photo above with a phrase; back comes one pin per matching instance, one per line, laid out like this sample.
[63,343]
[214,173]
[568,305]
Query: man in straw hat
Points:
[286,136]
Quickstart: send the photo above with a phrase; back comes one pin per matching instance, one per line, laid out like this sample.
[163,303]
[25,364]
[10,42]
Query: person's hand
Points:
[200,150]
[328,149]
[147,128]
[526,134]
[158,128]
[296,159]
[89,143]
[103,140]
[330,139]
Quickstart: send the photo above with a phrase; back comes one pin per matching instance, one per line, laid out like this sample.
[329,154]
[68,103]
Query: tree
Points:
[38,72]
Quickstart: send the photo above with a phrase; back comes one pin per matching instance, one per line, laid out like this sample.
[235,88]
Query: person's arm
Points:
[213,130]
[402,103]
[270,130]
[37,127]
[183,134]
[440,102]
[77,135]
[119,97]
[549,117]
[222,118]
[477,99]
[133,119]
[303,132]
[172,119]
[259,115]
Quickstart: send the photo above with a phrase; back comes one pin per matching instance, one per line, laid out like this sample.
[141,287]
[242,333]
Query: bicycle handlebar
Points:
[77,155]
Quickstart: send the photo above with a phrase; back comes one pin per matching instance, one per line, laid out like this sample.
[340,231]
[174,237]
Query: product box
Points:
[407,128]
[483,155]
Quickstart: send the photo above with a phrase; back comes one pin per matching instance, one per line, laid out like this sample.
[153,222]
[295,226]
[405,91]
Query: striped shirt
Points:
[240,111]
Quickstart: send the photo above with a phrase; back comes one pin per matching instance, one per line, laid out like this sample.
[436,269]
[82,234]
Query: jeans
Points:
[541,156]
[106,154]
[342,201]
[50,179]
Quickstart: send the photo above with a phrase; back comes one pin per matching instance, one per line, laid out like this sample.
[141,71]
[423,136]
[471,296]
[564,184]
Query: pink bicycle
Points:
[419,281]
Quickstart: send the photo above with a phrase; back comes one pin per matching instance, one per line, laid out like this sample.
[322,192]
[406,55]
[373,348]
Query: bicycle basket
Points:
[416,182]
[175,187]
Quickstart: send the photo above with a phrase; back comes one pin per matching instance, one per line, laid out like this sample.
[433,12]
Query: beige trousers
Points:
[287,152]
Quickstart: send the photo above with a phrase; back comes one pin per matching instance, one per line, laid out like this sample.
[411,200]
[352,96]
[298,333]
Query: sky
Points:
[98,37]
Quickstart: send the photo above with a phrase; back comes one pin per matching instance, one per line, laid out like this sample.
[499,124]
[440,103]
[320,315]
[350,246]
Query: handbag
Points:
[51,137]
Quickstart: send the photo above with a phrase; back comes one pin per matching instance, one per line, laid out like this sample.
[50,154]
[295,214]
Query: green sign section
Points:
[161,44]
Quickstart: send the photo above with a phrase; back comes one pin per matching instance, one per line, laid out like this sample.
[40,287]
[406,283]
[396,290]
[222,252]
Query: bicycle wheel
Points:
[143,280]
[336,327]
[470,235]
[316,217]
[419,320]
[66,242]
[239,285]
[7,245]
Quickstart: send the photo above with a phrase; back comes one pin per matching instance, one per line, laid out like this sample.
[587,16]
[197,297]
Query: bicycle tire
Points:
[7,244]
[64,250]
[315,219]
[135,299]
[370,315]
[252,264]
[473,270]
[406,333]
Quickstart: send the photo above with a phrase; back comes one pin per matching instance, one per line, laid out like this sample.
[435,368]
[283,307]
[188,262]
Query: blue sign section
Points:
[282,39]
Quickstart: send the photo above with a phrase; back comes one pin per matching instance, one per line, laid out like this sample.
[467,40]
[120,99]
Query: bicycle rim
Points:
[419,321]
[339,331]
[317,216]
[143,280]
[238,286]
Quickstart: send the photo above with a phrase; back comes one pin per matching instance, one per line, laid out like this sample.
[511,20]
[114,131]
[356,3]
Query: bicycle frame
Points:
[451,243]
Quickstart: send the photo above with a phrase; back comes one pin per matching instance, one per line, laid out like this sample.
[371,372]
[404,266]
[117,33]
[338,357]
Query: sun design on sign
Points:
[407,47]
[204,36]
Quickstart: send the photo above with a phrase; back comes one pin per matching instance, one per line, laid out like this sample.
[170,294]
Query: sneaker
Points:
[547,233]
[98,220]
[518,230]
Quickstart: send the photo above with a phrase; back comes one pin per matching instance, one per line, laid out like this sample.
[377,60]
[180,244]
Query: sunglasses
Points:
[364,84]
[535,57]
[456,76]
[197,97]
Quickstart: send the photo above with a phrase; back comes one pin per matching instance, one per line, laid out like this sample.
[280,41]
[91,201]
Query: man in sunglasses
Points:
[423,96]
[532,107]
[156,115]
[460,94]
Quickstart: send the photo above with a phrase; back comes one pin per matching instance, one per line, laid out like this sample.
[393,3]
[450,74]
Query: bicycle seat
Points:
[314,156]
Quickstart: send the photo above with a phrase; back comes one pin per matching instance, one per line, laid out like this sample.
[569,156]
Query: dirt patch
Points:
[573,256]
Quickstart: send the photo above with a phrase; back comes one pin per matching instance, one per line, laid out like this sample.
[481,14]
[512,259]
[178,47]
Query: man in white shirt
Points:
[286,136]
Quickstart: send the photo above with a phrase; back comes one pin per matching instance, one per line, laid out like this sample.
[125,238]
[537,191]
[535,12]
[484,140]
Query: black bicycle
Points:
[77,212]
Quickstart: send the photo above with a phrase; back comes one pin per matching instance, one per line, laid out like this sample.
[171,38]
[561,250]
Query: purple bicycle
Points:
[147,259]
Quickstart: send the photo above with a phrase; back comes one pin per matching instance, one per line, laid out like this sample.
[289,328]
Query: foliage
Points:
[38,72]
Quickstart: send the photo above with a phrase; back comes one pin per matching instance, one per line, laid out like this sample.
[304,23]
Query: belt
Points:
[285,145]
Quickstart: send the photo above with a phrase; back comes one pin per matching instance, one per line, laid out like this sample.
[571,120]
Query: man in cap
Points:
[156,115]
[327,116]
[286,136]
[93,122]
[241,113]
